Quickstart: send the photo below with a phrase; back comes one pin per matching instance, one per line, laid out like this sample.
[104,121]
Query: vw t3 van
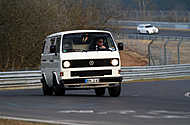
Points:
[73,60]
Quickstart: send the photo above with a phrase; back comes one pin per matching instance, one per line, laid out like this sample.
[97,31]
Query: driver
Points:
[100,44]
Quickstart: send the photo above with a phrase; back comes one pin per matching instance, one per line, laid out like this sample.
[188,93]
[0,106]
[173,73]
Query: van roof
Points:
[77,31]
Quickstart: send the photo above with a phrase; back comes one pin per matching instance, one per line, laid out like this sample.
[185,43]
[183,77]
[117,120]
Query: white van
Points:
[74,60]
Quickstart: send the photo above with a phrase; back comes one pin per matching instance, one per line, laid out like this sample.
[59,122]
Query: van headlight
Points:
[66,64]
[114,62]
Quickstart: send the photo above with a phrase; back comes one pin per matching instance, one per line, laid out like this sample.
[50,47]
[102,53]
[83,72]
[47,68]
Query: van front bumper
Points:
[88,83]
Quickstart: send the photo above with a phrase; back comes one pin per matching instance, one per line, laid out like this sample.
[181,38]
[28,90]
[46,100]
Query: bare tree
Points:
[143,6]
[25,23]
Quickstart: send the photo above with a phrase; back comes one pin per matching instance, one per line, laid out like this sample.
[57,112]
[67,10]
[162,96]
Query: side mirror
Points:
[120,46]
[52,49]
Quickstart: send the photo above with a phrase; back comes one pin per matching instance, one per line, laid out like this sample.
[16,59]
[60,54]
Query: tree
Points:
[25,23]
[143,6]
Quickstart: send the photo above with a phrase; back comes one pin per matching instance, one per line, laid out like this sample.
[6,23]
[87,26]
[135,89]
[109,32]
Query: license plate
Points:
[92,80]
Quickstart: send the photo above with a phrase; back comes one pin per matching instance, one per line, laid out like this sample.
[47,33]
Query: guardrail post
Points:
[178,51]
[165,52]
[149,53]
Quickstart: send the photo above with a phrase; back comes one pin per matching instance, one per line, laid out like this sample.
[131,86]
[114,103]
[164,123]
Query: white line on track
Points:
[187,94]
[175,117]
[122,112]
[159,112]
[76,111]
[145,116]
[162,117]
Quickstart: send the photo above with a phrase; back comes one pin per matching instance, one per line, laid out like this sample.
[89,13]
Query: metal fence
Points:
[159,50]
[32,78]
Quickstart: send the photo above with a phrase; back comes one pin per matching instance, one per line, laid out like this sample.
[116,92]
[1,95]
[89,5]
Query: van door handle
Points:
[51,60]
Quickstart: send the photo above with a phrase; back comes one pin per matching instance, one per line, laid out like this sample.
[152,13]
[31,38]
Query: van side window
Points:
[49,42]
[47,46]
[58,42]
[52,46]
[110,43]
[52,40]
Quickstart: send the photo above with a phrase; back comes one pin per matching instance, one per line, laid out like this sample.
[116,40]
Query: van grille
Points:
[91,73]
[90,63]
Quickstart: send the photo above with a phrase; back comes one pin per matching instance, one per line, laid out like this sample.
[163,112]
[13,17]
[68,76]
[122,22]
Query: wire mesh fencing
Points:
[159,50]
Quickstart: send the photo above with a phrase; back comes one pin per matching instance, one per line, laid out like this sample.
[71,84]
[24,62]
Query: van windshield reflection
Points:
[84,42]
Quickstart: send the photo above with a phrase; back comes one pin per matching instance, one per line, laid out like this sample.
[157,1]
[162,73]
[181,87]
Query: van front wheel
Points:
[100,91]
[115,91]
[59,91]
[47,91]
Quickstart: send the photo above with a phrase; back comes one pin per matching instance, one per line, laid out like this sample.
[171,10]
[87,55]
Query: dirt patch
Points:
[131,58]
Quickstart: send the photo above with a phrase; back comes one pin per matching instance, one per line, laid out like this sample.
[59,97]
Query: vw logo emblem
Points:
[91,63]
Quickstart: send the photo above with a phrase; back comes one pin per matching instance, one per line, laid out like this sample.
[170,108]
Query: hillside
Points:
[131,58]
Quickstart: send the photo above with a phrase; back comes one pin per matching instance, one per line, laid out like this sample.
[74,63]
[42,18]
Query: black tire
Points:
[148,32]
[58,89]
[100,91]
[47,91]
[115,91]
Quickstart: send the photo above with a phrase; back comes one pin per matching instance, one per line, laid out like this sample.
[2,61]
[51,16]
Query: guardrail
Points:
[151,72]
[20,78]
[30,78]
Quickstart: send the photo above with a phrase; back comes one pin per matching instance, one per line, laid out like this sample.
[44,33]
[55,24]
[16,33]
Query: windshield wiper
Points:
[79,50]
[109,49]
[84,50]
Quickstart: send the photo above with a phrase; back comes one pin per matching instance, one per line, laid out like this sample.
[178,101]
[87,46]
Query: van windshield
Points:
[83,42]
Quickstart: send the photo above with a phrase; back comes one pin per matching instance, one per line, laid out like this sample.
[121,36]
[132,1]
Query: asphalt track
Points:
[140,103]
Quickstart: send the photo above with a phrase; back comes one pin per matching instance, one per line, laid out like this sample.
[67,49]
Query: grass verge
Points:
[18,122]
